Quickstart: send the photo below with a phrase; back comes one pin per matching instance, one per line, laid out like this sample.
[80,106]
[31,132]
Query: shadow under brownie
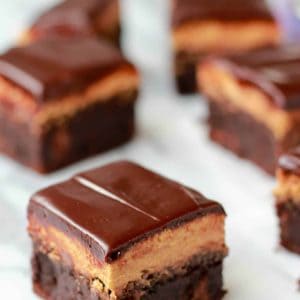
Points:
[124,232]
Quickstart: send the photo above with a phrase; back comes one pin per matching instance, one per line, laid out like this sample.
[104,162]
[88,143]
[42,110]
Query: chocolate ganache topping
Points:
[276,71]
[223,10]
[112,207]
[58,66]
[70,17]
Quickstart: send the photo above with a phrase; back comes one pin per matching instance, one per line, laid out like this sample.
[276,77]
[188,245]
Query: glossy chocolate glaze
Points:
[223,10]
[59,66]
[71,17]
[276,71]
[110,208]
[290,161]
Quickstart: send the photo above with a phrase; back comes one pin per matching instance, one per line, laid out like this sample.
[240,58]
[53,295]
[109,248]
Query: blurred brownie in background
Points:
[124,232]
[63,99]
[287,195]
[202,27]
[80,18]
[254,102]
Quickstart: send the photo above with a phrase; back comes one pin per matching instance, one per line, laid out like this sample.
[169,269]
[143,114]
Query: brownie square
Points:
[202,27]
[64,99]
[78,18]
[287,195]
[254,102]
[124,232]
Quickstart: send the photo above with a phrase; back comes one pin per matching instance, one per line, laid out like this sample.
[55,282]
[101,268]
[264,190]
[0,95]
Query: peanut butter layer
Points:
[288,177]
[205,36]
[162,246]
[76,18]
[24,107]
[114,220]
[58,66]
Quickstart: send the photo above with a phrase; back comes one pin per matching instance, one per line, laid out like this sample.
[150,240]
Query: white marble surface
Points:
[172,139]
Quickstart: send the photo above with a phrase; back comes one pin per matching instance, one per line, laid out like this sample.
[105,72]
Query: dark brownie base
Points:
[289,218]
[99,127]
[240,133]
[185,73]
[54,281]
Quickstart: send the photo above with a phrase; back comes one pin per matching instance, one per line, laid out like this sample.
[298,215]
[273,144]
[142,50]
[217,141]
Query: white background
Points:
[171,139]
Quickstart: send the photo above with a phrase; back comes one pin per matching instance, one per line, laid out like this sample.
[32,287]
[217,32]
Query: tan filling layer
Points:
[25,109]
[170,248]
[106,23]
[217,36]
[220,85]
[288,187]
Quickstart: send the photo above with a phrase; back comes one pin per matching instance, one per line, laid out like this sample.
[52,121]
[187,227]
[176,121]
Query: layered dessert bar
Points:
[202,27]
[287,195]
[63,99]
[124,232]
[80,18]
[254,102]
